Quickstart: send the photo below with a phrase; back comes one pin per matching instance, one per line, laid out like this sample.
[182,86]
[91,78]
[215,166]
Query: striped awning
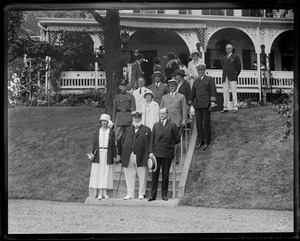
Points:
[161,24]
[93,26]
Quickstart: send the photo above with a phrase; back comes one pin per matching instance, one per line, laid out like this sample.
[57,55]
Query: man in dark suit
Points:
[135,155]
[136,71]
[203,97]
[231,66]
[164,137]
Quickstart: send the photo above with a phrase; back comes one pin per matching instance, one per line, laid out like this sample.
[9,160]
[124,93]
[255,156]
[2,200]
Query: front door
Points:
[147,65]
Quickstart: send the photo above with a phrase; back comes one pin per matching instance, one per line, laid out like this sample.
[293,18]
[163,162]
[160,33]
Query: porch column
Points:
[96,75]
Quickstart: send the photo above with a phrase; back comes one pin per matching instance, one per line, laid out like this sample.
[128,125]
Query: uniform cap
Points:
[123,82]
[136,114]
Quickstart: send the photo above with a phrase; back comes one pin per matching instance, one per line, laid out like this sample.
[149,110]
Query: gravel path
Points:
[37,216]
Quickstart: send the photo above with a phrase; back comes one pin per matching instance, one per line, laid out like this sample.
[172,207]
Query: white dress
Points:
[150,114]
[192,70]
[101,173]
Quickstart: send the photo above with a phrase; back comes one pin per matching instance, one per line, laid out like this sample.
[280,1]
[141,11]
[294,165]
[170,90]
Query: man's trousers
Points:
[130,175]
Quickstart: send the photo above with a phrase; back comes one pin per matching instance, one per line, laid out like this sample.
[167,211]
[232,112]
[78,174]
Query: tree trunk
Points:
[112,56]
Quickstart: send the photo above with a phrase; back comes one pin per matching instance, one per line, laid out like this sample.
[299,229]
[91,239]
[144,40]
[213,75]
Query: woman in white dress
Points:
[150,110]
[192,67]
[103,157]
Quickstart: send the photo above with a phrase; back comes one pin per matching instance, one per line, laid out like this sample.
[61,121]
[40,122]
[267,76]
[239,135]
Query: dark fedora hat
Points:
[180,72]
[152,164]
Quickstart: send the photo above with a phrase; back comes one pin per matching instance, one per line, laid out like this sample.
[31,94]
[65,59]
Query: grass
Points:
[246,166]
[47,149]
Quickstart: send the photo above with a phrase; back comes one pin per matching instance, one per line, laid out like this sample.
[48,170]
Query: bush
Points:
[89,98]
[284,105]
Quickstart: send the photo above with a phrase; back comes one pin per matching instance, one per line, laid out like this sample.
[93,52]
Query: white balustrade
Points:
[247,81]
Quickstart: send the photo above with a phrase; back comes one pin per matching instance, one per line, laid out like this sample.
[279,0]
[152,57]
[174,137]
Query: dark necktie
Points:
[140,90]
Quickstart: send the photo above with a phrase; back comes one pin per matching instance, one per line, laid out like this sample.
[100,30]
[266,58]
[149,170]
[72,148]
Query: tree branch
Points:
[98,18]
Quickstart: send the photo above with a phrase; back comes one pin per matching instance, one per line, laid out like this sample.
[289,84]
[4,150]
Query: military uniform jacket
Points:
[111,148]
[159,91]
[163,139]
[123,105]
[204,92]
[138,143]
[231,67]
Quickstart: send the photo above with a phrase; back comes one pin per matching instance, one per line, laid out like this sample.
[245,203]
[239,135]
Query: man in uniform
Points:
[203,96]
[123,105]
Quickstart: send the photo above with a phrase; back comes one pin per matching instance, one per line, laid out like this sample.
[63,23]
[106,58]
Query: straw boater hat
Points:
[201,66]
[157,73]
[180,72]
[172,81]
[195,51]
[105,117]
[148,92]
[152,164]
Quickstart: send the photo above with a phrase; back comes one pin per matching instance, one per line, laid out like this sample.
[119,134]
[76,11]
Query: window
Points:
[159,11]
[184,11]
[213,12]
[229,12]
[252,12]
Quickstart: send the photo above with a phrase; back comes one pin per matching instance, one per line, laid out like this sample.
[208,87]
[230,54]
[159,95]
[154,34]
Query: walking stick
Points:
[119,181]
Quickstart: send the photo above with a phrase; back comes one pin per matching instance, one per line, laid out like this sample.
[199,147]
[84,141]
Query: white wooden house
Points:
[157,32]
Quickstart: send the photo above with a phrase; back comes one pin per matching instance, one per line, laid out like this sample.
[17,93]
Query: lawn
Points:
[247,165]
[47,149]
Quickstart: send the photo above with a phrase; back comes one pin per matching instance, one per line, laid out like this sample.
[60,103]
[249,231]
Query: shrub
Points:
[88,98]
[284,105]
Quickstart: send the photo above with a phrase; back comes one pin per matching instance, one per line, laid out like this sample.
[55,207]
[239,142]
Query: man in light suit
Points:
[158,88]
[203,97]
[231,66]
[176,104]
[136,71]
[139,93]
[164,137]
[135,155]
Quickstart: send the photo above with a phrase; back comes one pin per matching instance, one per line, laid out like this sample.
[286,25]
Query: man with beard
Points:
[135,155]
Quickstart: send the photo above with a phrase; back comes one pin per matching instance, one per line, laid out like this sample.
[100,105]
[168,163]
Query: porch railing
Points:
[247,82]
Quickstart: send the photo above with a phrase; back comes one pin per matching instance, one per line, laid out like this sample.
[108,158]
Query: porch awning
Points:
[92,26]
[156,23]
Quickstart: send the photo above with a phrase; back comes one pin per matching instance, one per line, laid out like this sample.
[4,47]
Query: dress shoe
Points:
[100,197]
[234,111]
[224,111]
[165,198]
[128,197]
[205,146]
[151,199]
[141,196]
[106,196]
[199,145]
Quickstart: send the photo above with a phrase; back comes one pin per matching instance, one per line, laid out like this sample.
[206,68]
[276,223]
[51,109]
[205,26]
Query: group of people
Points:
[147,121]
